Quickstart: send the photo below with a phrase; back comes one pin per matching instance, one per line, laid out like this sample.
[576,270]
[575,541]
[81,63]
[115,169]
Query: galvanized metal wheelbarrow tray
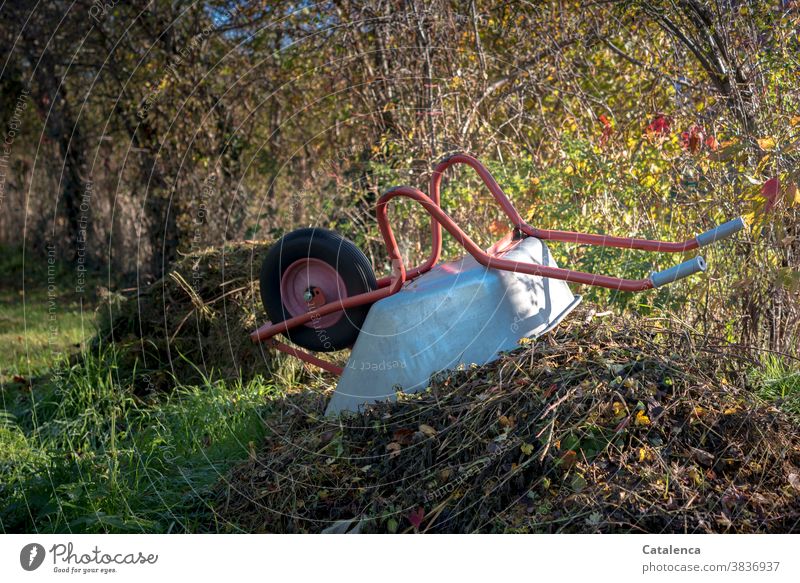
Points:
[439,316]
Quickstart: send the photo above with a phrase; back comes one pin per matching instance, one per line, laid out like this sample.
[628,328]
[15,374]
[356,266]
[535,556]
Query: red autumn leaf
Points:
[770,192]
[607,129]
[693,139]
[660,125]
[712,143]
[415,517]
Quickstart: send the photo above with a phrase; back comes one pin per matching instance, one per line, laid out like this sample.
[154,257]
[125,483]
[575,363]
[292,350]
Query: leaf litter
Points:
[619,424]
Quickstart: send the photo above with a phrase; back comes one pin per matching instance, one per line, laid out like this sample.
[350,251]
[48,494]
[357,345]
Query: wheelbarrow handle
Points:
[676,272]
[720,232]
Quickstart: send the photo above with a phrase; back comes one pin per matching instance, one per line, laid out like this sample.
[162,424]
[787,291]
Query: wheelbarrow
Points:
[320,291]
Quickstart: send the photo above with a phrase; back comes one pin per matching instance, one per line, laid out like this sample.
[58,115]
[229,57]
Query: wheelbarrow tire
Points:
[352,267]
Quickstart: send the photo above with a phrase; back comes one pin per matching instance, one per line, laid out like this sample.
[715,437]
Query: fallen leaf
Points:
[415,517]
[569,459]
[641,418]
[702,457]
[578,483]
[427,430]
[794,480]
[403,436]
[505,421]
[393,449]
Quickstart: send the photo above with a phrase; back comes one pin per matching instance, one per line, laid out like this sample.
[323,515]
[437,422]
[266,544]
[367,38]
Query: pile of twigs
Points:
[608,425]
[193,322]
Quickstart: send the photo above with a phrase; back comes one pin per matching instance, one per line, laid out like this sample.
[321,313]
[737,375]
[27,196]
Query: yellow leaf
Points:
[795,120]
[767,143]
[505,421]
[641,418]
[792,195]
[649,181]
[427,430]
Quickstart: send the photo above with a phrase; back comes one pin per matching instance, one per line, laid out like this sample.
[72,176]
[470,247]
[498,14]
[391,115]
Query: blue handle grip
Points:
[677,272]
[721,232]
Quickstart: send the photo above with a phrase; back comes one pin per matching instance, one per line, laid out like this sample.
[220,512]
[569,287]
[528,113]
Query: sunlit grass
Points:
[779,382]
[38,322]
[82,453]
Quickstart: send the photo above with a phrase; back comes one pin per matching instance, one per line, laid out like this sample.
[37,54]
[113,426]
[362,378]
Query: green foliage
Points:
[778,381]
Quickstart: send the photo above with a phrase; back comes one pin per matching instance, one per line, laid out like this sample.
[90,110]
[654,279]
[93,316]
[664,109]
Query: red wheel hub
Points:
[307,284]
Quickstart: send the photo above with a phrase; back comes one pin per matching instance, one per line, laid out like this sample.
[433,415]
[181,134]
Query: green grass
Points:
[79,450]
[779,382]
[81,453]
[38,323]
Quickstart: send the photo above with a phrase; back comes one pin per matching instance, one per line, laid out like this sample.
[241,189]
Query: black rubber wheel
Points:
[349,263]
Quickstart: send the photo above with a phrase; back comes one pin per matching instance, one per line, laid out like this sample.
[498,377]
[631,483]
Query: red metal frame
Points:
[391,284]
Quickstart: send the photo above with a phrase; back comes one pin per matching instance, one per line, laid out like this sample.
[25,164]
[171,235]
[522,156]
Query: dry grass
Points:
[195,321]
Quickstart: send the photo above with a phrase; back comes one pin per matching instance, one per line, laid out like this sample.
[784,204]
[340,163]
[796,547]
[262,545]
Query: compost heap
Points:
[608,425]
[193,322]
